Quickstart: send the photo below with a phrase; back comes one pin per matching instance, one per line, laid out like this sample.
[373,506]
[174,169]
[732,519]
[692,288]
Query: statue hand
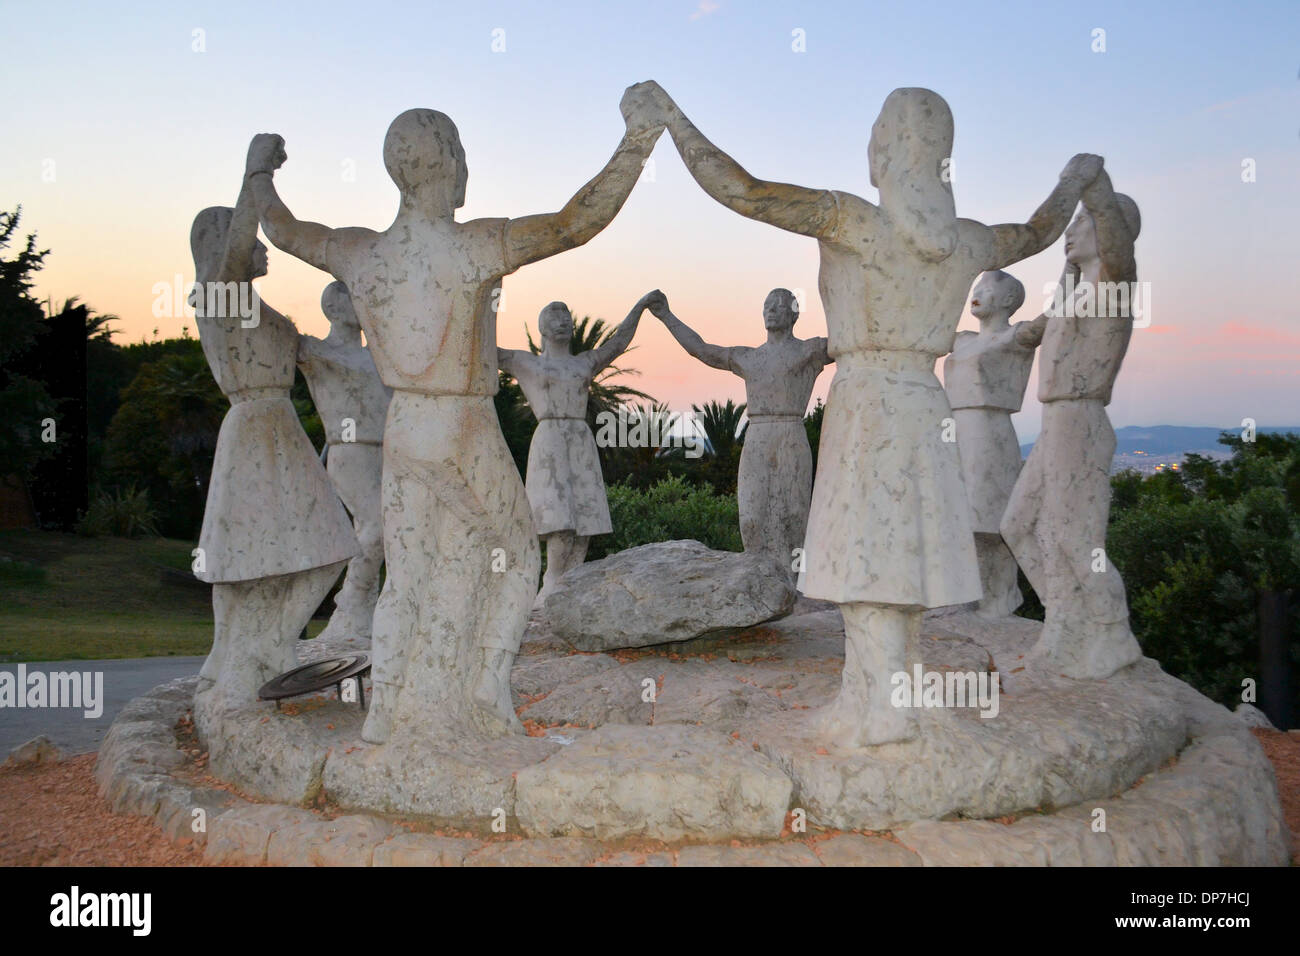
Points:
[1083,168]
[265,154]
[656,302]
[641,108]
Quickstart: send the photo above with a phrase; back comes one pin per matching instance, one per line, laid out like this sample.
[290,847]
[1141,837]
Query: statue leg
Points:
[258,623]
[395,616]
[880,640]
[1020,521]
[356,472]
[559,550]
[997,576]
[1086,632]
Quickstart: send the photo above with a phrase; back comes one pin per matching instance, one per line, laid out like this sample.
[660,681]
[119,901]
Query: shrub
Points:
[122,514]
[669,510]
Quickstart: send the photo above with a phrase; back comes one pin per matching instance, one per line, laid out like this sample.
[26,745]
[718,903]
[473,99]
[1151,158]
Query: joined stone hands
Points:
[265,154]
[1083,168]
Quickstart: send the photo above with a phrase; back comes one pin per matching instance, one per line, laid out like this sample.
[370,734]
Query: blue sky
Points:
[141,131]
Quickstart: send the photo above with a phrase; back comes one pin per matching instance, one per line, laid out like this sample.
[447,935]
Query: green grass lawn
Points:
[65,597]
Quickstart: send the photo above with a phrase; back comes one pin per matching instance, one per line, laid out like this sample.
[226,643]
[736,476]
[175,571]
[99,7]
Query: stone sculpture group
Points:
[900,518]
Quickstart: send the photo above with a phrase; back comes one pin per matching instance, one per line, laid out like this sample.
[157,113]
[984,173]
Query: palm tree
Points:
[721,424]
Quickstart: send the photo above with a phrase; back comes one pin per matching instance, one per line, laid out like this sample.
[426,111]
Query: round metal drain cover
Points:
[315,676]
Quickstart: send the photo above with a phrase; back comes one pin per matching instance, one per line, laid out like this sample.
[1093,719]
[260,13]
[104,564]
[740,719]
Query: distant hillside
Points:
[1173,440]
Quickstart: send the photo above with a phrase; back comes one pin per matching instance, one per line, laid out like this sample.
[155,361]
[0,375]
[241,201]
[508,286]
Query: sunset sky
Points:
[121,121]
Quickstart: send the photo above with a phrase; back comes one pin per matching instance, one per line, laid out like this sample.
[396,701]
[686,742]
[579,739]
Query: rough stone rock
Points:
[243,834]
[1252,716]
[855,849]
[345,841]
[632,858]
[424,849]
[176,815]
[558,851]
[774,854]
[532,677]
[664,592]
[670,782]
[607,696]
[464,780]
[280,754]
[38,750]
[1056,743]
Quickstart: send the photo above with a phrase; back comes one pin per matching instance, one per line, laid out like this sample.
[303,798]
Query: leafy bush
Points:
[669,510]
[122,514]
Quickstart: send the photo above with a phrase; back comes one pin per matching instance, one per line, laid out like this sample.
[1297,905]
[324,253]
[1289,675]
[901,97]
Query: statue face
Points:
[985,297]
[780,309]
[336,303]
[556,322]
[259,260]
[1081,239]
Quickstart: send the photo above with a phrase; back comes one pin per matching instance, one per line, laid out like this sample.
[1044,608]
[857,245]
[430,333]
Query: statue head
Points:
[336,303]
[1081,234]
[780,309]
[208,238]
[555,322]
[424,157]
[911,142]
[996,293]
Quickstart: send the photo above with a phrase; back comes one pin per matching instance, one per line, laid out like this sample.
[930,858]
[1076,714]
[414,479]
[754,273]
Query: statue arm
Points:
[308,241]
[591,209]
[1013,242]
[1114,241]
[237,260]
[1027,335]
[808,212]
[617,343]
[509,360]
[716,356]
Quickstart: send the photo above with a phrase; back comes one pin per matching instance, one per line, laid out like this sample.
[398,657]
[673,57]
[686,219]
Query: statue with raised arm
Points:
[275,535]
[462,557]
[352,403]
[774,484]
[985,378]
[566,489]
[1056,520]
[889,529]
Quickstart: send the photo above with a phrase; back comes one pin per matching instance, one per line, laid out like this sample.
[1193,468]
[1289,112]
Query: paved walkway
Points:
[68,727]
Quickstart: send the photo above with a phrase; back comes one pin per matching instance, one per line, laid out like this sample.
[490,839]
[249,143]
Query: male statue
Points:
[985,378]
[774,484]
[352,403]
[462,558]
[889,530]
[1056,520]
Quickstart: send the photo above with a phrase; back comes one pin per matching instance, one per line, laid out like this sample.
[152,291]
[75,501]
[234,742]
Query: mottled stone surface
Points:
[666,782]
[1174,777]
[558,851]
[666,591]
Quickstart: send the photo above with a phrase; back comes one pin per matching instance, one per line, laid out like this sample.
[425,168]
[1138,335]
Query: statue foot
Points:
[379,716]
[840,724]
[1086,650]
[491,698]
